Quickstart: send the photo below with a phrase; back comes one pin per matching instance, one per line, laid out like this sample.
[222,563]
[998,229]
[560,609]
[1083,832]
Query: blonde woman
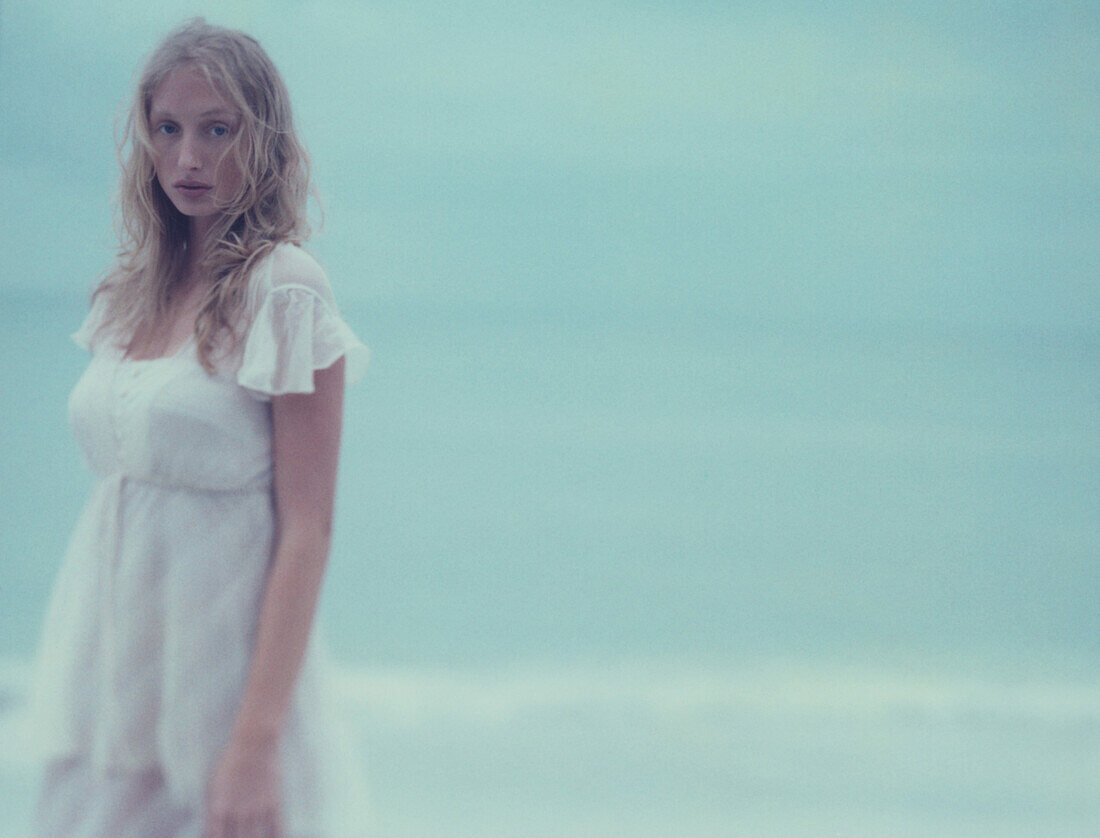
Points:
[178,690]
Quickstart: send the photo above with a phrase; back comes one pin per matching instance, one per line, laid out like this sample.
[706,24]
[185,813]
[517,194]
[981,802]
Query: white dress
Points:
[149,630]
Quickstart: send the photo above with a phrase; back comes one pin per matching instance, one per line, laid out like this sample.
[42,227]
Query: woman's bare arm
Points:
[306,442]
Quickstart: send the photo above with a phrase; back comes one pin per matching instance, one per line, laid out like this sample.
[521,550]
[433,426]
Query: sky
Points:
[892,161]
[654,269]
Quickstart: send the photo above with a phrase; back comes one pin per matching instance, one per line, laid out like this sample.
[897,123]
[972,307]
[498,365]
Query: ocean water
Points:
[524,484]
[674,572]
[781,749]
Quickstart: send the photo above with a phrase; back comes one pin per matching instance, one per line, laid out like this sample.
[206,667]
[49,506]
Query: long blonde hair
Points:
[269,207]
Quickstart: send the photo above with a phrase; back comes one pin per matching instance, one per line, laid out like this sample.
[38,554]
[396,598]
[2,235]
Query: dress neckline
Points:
[179,352]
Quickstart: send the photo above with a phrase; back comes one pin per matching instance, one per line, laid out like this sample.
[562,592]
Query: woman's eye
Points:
[165,128]
[219,130]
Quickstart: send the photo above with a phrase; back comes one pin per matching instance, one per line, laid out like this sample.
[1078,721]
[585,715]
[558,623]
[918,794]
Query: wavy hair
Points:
[269,206]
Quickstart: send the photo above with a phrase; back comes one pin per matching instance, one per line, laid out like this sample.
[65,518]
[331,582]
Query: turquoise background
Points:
[728,461]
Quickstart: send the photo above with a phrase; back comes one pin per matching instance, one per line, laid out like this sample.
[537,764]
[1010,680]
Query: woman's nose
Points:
[189,155]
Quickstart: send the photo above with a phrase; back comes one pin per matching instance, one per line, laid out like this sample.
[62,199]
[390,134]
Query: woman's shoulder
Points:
[101,319]
[286,269]
[290,265]
[294,327]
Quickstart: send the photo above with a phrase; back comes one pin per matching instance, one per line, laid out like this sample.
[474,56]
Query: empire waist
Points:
[261,484]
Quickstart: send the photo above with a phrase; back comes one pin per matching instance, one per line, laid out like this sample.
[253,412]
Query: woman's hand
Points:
[243,798]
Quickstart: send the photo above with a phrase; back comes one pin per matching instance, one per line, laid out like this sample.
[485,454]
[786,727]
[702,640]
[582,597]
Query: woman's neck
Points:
[198,228]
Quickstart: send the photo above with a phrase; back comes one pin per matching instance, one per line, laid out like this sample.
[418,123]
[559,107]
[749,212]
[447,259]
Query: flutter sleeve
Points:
[296,329]
[89,335]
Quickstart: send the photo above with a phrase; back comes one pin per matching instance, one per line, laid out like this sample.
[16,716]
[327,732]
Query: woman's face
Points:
[193,128]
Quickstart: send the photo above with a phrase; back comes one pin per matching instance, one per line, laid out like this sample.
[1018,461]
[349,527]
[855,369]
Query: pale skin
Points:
[191,124]
[244,789]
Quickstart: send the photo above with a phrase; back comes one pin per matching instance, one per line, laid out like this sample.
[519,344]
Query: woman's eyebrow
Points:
[225,113]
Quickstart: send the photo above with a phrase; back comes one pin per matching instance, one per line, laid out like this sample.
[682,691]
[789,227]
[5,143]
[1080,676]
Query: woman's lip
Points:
[191,186]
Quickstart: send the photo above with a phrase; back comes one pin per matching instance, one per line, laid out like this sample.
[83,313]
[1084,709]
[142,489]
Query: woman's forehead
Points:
[187,91]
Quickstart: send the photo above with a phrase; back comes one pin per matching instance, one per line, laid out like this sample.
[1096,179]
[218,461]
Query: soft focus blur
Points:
[728,464]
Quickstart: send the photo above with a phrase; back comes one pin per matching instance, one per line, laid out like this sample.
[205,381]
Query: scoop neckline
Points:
[180,351]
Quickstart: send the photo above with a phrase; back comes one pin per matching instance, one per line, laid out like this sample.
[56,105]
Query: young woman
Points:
[178,690]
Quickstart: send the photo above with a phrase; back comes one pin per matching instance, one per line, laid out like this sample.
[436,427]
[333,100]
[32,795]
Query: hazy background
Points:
[728,462]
